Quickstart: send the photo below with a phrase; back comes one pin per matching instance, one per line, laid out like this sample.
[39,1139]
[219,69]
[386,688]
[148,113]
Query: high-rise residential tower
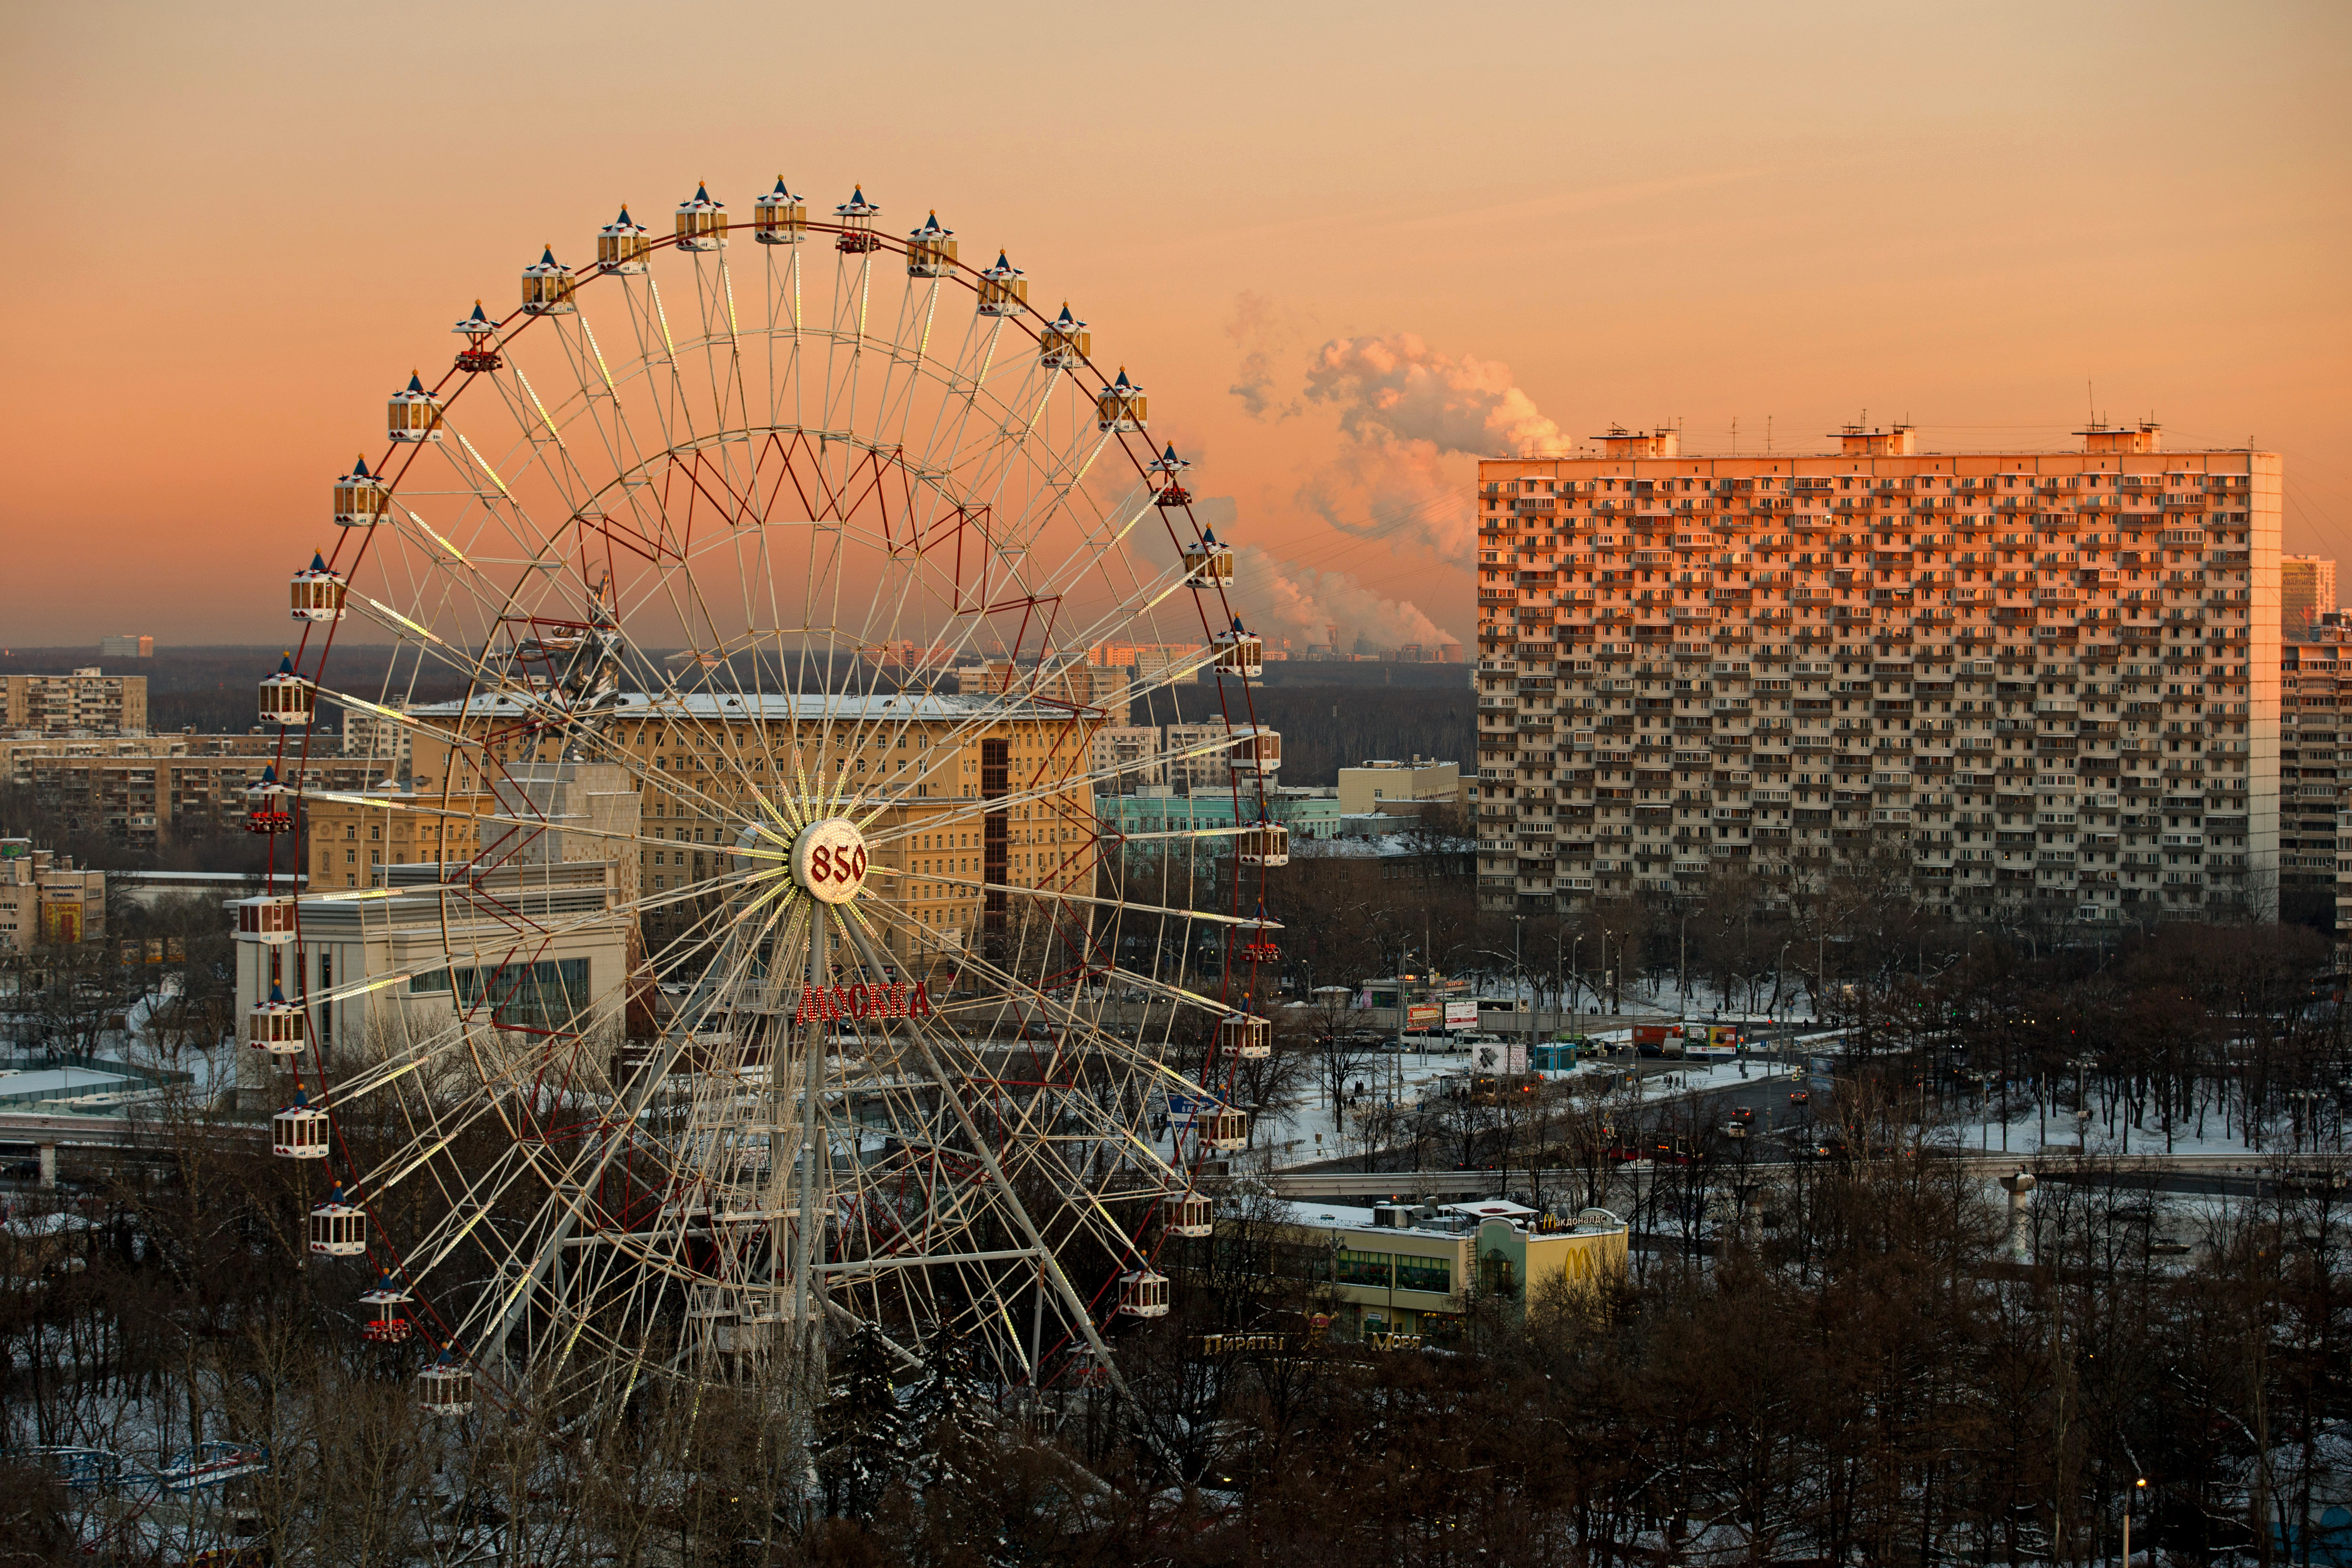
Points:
[2307,592]
[2019,681]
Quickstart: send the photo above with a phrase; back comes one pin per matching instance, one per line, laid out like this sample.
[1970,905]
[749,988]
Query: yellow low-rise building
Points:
[1408,1268]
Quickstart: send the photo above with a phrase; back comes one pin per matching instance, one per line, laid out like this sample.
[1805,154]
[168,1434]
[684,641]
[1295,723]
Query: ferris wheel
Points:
[757,597]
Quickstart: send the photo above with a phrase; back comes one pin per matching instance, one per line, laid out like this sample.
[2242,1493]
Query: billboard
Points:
[1461,1014]
[1422,1014]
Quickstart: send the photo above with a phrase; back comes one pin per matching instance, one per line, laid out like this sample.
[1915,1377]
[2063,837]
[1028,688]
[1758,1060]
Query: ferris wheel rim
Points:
[508,331]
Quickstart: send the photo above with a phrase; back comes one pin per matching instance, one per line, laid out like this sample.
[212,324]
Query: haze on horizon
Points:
[1346,250]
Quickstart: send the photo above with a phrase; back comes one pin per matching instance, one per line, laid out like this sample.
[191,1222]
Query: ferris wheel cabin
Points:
[300,1130]
[856,215]
[1119,405]
[1142,1294]
[932,249]
[1248,1037]
[1188,1215]
[387,1327]
[265,806]
[1209,564]
[287,701]
[1225,1131]
[779,218]
[1240,652]
[1167,483]
[1003,291]
[547,287]
[318,593]
[477,329]
[360,498]
[338,1230]
[445,1389]
[1263,844]
[1065,342]
[622,246]
[1257,749]
[275,1026]
[267,919]
[701,222]
[412,414]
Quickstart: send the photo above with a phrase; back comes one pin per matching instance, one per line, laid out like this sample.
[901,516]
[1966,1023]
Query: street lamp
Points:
[1577,969]
[1519,977]
[2139,1491]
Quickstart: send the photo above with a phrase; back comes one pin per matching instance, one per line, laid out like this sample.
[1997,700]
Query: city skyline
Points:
[1989,231]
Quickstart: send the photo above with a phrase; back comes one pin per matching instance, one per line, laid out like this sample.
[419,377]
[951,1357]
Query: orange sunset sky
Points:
[1345,247]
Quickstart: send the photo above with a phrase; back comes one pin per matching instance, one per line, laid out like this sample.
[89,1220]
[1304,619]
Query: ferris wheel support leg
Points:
[1046,1261]
[494,1346]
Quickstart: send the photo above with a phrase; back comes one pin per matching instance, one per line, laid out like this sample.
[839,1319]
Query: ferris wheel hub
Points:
[829,861]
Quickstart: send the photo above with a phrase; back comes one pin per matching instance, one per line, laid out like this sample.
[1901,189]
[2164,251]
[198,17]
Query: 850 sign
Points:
[829,861]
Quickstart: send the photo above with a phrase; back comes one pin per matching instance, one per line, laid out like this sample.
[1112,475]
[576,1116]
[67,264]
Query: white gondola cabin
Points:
[1065,342]
[412,414]
[1142,1294]
[701,222]
[1257,749]
[623,246]
[317,594]
[477,329]
[547,287]
[360,498]
[1167,471]
[1241,653]
[1003,291]
[277,1025]
[1188,1215]
[932,249]
[1248,1037]
[445,1389]
[779,218]
[300,1130]
[1209,564]
[338,1230]
[1120,406]
[287,701]
[1263,844]
[387,1326]
[857,217]
[268,920]
[1225,1130]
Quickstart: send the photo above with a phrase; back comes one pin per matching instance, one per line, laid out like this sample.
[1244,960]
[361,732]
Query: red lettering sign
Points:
[827,1005]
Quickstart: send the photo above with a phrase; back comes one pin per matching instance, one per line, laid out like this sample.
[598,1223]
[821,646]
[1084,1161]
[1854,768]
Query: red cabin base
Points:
[387,1331]
[270,822]
[476,359]
[1173,495]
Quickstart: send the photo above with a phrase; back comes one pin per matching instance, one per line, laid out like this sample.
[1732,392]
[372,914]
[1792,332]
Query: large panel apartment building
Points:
[2038,681]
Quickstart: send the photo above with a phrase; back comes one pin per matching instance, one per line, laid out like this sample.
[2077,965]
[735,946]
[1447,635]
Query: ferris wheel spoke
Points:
[948,1089]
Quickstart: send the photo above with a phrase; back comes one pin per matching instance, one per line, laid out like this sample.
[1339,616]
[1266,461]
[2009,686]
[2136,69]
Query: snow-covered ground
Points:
[2026,1135]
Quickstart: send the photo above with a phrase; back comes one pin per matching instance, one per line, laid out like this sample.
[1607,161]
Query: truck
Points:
[1658,1039]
